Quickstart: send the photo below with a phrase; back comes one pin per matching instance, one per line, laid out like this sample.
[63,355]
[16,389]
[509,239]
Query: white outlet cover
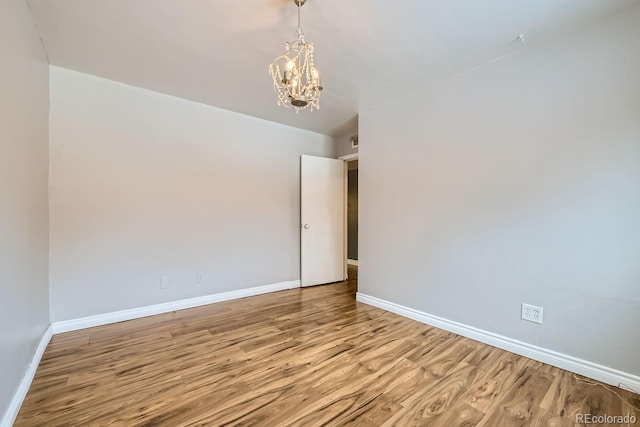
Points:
[164,283]
[199,278]
[532,313]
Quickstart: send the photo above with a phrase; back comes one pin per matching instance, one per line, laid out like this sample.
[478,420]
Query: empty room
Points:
[319,213]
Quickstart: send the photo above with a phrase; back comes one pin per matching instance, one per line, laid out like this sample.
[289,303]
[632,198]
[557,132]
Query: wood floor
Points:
[306,357]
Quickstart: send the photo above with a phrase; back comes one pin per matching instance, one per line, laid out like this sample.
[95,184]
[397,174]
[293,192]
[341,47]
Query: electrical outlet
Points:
[531,313]
[164,283]
[199,278]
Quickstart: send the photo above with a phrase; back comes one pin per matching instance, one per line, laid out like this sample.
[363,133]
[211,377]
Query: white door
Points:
[322,214]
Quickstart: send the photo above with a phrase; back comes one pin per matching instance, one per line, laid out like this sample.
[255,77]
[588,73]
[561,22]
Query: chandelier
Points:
[295,77]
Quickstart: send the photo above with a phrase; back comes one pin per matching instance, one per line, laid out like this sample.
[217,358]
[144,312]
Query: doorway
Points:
[352,215]
[329,219]
[351,168]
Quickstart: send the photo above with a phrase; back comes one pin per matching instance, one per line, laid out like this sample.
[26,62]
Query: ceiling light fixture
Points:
[295,78]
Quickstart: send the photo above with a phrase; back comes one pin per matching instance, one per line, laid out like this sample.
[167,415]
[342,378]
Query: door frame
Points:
[347,159]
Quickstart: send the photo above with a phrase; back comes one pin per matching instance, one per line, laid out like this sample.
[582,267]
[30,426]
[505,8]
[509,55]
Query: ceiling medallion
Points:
[295,77]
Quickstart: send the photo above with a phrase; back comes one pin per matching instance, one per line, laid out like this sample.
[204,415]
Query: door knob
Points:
[305,226]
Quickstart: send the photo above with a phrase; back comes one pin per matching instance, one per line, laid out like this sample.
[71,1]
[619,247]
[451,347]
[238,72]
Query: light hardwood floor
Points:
[303,357]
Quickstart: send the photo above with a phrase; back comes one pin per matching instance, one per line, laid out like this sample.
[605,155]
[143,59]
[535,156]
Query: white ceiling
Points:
[217,51]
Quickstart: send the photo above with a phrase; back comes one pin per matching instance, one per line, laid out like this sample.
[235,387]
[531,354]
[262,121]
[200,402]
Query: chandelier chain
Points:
[300,33]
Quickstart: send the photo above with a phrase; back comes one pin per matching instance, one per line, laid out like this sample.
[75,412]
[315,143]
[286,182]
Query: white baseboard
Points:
[136,313]
[352,262]
[569,363]
[18,397]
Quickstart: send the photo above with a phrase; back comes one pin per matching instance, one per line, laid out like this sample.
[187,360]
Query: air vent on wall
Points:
[354,141]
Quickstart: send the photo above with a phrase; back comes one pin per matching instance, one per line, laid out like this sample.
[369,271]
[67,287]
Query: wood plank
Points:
[520,403]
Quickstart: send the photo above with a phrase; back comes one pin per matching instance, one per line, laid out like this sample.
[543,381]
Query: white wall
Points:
[515,182]
[24,223]
[343,142]
[144,185]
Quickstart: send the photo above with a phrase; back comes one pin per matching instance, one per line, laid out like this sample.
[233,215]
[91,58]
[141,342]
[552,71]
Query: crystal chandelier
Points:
[295,78]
